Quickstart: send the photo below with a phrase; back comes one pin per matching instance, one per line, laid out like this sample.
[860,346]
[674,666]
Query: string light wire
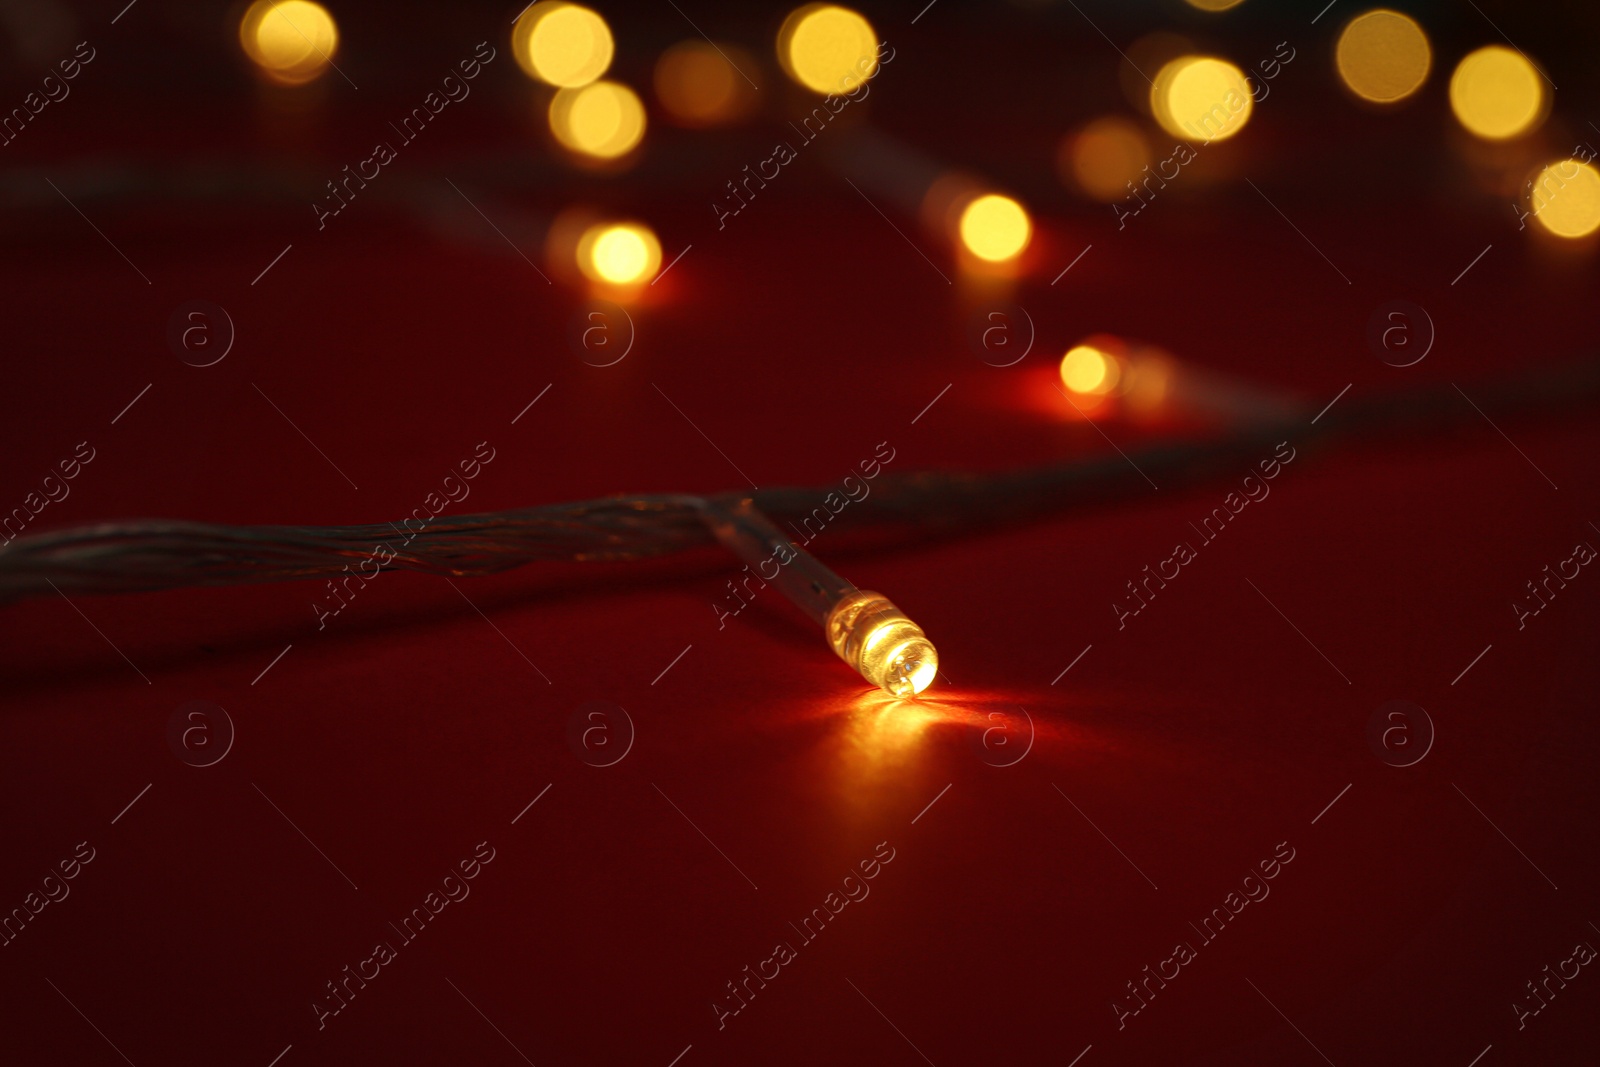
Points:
[146,555]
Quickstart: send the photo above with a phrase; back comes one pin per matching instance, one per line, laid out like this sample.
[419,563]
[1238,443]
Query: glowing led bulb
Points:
[291,41]
[888,649]
[562,44]
[1086,369]
[619,253]
[602,120]
[1565,198]
[1497,94]
[995,228]
[828,48]
[1383,56]
[866,631]
[1201,97]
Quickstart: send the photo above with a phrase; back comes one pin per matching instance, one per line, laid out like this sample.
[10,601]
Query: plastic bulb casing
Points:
[876,639]
[866,631]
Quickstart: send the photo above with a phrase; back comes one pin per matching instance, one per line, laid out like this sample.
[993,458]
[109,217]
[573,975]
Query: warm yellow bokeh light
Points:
[1383,56]
[995,228]
[292,42]
[1214,5]
[603,120]
[1104,156]
[1201,98]
[1566,198]
[562,44]
[700,84]
[827,48]
[619,253]
[1086,369]
[1151,384]
[1496,93]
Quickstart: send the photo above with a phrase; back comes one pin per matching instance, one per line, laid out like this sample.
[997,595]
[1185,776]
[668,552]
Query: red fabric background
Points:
[1196,739]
